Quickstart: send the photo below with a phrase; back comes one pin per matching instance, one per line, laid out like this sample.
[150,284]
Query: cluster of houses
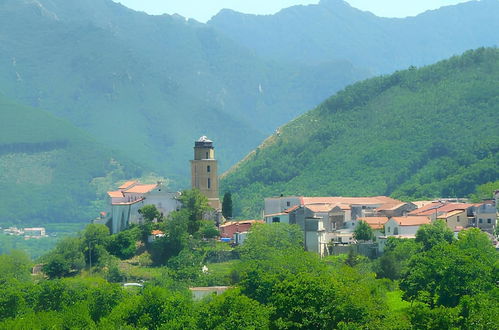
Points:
[328,221]
[27,233]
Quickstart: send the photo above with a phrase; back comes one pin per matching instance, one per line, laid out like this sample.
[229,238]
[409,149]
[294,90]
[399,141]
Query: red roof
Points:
[412,220]
[320,208]
[454,206]
[141,189]
[374,222]
[427,209]
[115,194]
[350,200]
[157,232]
[128,184]
[291,209]
[242,222]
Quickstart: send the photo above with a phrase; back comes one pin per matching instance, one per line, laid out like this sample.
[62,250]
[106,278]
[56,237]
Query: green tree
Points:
[155,308]
[65,259]
[95,238]
[227,205]
[434,234]
[232,311]
[195,205]
[266,240]
[149,213]
[444,274]
[123,244]
[15,265]
[395,259]
[363,232]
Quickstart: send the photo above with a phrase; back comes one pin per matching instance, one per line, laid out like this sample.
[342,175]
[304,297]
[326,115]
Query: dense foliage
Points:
[419,133]
[332,30]
[50,171]
[275,285]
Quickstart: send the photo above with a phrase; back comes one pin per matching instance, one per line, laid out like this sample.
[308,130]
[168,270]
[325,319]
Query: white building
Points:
[130,197]
[405,226]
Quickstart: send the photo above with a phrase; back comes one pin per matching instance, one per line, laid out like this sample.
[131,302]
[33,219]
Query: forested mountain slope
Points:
[418,133]
[150,85]
[335,30]
[51,171]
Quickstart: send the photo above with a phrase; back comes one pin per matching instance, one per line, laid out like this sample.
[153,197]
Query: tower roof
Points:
[203,142]
[204,138]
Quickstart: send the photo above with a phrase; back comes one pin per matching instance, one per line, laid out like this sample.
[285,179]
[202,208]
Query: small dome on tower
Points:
[204,139]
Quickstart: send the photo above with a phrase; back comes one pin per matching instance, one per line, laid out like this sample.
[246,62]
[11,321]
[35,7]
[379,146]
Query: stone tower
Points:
[204,169]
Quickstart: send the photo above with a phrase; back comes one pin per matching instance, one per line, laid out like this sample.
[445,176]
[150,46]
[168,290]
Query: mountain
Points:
[333,30]
[415,134]
[51,171]
[150,85]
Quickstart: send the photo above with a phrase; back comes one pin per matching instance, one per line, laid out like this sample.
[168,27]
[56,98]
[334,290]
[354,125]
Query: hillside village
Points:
[328,223]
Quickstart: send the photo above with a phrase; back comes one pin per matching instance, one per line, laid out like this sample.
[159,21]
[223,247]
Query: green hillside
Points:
[50,171]
[332,29]
[418,133]
[150,85]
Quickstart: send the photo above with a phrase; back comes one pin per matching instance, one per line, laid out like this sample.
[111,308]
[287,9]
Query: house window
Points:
[276,219]
[458,219]
[480,220]
[208,168]
[389,229]
[288,203]
[209,183]
[489,220]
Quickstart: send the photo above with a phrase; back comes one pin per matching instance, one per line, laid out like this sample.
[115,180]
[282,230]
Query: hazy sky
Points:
[203,10]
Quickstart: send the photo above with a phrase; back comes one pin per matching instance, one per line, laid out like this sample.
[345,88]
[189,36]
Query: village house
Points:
[461,215]
[405,226]
[232,228]
[130,197]
[377,224]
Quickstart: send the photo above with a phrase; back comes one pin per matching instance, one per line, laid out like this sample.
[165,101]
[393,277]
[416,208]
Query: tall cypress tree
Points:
[227,205]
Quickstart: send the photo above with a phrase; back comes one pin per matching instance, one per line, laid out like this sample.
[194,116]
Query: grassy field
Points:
[395,302]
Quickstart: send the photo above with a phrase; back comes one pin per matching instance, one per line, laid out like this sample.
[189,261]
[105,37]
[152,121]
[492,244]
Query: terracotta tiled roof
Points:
[128,184]
[141,188]
[450,214]
[374,222]
[115,194]
[412,221]
[351,200]
[274,214]
[427,209]
[454,206]
[157,232]
[320,208]
[292,208]
[390,207]
[242,222]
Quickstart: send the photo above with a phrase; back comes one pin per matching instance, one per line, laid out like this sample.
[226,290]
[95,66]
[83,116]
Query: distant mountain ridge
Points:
[50,171]
[416,134]
[150,85]
[334,30]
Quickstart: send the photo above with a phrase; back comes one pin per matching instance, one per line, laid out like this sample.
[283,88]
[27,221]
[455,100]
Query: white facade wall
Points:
[392,228]
[279,204]
[283,218]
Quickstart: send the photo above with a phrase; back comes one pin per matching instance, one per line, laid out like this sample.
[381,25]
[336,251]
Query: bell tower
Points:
[204,169]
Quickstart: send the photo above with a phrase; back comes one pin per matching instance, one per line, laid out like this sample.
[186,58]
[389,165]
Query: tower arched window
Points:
[209,183]
[208,168]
